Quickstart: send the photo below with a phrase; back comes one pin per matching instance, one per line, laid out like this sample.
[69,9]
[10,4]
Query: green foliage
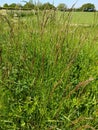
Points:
[87,7]
[18,6]
[47,6]
[13,5]
[62,7]
[28,5]
[20,13]
[48,72]
[5,5]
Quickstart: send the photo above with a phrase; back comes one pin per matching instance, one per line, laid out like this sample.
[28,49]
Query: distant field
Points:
[75,17]
[85,17]
[82,17]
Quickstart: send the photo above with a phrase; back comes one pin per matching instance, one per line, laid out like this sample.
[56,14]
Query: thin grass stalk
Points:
[10,27]
[80,119]
[81,84]
[86,127]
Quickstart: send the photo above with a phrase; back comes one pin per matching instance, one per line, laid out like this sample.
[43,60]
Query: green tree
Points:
[88,7]
[62,7]
[28,5]
[13,5]
[5,5]
[18,6]
[38,5]
[48,6]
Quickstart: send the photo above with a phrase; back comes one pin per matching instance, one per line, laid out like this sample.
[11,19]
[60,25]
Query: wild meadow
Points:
[49,71]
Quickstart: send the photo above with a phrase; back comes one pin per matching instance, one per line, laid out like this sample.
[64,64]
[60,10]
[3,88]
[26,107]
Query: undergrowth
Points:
[48,73]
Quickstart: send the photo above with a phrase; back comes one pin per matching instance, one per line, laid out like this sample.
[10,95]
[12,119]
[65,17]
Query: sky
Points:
[69,3]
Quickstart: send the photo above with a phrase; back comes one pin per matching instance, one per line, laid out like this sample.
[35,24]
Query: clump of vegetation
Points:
[20,13]
[48,73]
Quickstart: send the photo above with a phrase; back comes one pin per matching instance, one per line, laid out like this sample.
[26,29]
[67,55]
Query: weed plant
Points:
[48,73]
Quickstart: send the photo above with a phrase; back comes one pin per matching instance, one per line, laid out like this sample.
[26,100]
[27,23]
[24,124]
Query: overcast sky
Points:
[69,3]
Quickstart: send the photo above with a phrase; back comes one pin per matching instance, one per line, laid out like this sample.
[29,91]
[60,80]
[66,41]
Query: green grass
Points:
[49,72]
[85,17]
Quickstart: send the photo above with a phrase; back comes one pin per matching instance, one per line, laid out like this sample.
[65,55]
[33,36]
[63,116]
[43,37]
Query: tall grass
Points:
[48,73]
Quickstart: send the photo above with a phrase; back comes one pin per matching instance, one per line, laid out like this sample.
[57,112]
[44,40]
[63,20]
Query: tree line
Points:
[88,7]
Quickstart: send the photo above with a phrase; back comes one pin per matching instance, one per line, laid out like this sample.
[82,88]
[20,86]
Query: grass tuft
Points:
[48,71]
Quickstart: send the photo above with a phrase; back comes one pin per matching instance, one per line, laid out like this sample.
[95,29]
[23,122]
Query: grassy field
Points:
[85,17]
[49,71]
